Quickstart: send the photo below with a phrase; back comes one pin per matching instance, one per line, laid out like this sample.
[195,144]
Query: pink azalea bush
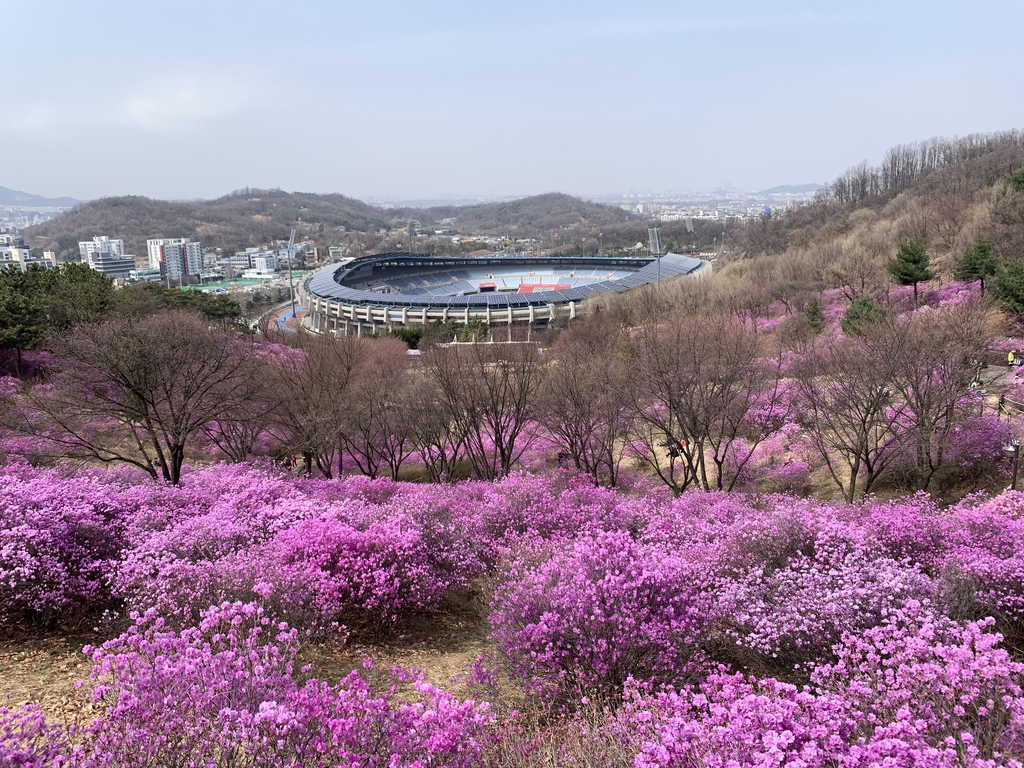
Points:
[224,693]
[587,615]
[734,720]
[951,682]
[58,542]
[779,464]
[332,552]
[29,740]
[717,628]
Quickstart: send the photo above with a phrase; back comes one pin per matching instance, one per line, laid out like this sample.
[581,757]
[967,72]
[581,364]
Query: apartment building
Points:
[175,257]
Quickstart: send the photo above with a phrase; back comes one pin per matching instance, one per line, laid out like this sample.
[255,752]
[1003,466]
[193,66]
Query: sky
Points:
[405,100]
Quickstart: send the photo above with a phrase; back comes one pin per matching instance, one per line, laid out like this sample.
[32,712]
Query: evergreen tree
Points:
[815,316]
[22,322]
[860,316]
[911,265]
[74,294]
[977,263]
[1008,287]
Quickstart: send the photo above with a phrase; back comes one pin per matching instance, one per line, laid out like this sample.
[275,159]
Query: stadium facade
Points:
[385,291]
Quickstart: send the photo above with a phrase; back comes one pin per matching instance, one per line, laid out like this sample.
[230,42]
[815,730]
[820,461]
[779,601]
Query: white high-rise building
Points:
[100,245]
[175,257]
[22,258]
[107,256]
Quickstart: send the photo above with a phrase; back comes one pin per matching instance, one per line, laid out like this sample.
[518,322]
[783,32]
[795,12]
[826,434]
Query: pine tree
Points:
[22,323]
[815,316]
[1008,287]
[978,263]
[911,265]
[860,316]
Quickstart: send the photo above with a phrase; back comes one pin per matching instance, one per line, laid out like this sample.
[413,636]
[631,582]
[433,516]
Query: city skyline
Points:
[456,100]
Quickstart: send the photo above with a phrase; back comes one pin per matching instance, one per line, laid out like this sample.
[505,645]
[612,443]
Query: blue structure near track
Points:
[282,321]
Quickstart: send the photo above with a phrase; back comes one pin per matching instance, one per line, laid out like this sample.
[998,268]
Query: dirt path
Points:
[442,646]
[43,669]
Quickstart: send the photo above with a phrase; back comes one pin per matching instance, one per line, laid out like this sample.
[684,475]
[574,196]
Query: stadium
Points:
[385,291]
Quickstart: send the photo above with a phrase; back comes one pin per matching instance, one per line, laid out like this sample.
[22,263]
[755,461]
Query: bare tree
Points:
[137,392]
[858,268]
[310,385]
[708,399]
[850,408]
[437,440]
[487,393]
[376,433]
[935,374]
[236,434]
[587,398]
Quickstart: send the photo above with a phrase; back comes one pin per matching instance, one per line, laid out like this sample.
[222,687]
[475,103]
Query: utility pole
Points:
[1013,451]
[654,243]
[291,283]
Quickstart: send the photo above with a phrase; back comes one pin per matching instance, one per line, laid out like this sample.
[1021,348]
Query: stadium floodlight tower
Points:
[291,283]
[654,242]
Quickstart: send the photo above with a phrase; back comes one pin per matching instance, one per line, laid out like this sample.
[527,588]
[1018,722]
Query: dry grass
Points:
[442,645]
[42,669]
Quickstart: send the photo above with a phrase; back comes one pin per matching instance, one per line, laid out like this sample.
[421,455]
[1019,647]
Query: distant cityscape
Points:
[181,261]
[174,261]
[725,203]
[16,217]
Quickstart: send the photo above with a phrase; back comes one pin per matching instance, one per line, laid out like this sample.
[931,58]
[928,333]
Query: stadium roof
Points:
[328,282]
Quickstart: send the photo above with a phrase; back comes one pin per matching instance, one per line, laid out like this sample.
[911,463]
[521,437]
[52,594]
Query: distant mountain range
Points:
[27,200]
[791,189]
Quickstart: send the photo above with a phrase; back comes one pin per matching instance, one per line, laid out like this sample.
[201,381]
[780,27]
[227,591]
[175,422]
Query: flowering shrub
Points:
[28,740]
[57,543]
[948,683]
[975,447]
[357,551]
[377,573]
[796,613]
[183,698]
[779,464]
[592,613]
[864,634]
[223,694]
[733,720]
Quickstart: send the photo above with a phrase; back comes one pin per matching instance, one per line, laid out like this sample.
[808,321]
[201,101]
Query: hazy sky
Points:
[420,99]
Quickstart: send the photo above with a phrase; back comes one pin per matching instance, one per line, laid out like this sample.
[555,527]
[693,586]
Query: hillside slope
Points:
[252,217]
[945,193]
[526,217]
[239,220]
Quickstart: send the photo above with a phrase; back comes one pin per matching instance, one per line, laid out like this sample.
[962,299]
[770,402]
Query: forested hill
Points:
[526,217]
[251,217]
[245,218]
[945,193]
